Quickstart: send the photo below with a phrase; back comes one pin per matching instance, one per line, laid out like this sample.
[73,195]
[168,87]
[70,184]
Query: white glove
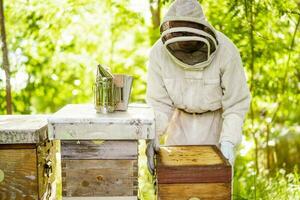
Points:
[227,149]
[151,149]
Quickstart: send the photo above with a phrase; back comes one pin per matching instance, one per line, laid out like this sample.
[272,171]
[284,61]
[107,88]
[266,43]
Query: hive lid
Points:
[192,164]
[81,122]
[23,129]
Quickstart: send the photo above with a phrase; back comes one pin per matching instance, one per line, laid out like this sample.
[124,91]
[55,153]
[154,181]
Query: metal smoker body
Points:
[111,92]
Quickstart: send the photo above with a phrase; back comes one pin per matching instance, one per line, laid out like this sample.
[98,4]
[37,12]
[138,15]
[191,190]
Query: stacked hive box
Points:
[193,173]
[100,151]
[27,158]
[105,168]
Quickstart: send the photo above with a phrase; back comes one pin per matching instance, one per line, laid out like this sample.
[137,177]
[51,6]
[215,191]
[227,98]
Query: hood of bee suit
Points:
[176,36]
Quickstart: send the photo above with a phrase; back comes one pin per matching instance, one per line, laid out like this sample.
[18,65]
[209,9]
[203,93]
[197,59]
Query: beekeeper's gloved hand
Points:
[151,149]
[227,149]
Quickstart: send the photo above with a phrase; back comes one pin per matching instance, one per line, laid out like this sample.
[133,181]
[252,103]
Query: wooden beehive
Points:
[99,168]
[99,152]
[27,158]
[193,173]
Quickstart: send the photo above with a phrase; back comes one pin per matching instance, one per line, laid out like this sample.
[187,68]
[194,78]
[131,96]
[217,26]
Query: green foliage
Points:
[280,185]
[55,47]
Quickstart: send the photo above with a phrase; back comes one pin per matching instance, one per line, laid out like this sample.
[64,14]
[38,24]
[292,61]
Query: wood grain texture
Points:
[81,122]
[86,113]
[189,156]
[96,131]
[85,150]
[202,191]
[20,174]
[101,198]
[23,129]
[205,174]
[192,164]
[91,178]
[17,146]
[47,184]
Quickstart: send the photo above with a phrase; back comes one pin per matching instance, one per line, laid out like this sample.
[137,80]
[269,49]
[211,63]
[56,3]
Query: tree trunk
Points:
[5,60]
[249,10]
[155,8]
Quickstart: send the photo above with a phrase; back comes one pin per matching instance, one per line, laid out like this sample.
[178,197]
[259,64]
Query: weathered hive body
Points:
[93,168]
[27,158]
[100,151]
[192,173]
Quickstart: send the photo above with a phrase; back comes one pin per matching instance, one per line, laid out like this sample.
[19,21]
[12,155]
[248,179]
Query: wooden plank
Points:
[81,122]
[90,178]
[207,191]
[189,156]
[208,174]
[95,150]
[47,182]
[86,113]
[218,151]
[18,146]
[192,164]
[19,168]
[22,129]
[100,131]
[101,198]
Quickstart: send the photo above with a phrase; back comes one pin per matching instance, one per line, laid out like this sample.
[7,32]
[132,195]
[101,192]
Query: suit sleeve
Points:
[235,100]
[158,97]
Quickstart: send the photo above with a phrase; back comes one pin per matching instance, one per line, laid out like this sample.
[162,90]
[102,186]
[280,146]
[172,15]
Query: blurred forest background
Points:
[54,47]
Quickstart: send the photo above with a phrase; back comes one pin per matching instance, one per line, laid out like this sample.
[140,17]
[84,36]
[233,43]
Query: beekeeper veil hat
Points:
[189,39]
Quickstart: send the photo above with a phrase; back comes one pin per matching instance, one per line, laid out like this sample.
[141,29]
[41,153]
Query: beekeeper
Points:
[196,83]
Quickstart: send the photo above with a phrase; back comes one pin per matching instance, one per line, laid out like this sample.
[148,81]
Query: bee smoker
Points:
[111,91]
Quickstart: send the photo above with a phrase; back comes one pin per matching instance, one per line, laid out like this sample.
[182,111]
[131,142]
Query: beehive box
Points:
[99,168]
[193,173]
[27,158]
[99,152]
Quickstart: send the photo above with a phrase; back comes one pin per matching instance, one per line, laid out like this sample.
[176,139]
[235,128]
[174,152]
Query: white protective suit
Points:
[205,105]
